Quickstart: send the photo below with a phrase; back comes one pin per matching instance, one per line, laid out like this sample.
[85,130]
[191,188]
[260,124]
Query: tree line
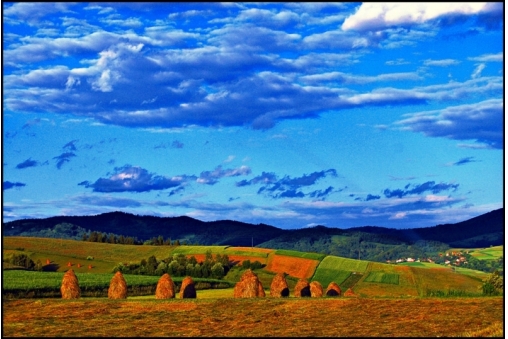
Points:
[180,265]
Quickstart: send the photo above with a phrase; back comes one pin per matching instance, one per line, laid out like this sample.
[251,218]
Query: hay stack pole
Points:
[187,290]
[333,290]
[165,288]
[316,290]
[302,288]
[279,287]
[117,287]
[70,286]
[249,286]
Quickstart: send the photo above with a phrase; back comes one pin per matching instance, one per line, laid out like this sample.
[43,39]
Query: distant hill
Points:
[367,242]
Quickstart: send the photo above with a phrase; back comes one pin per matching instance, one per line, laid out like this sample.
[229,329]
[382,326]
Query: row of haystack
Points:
[249,286]
[118,287]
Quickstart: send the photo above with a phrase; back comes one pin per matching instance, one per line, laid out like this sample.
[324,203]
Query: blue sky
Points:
[289,114]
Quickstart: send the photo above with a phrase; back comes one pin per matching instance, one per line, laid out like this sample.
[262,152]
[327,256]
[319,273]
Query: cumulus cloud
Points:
[134,179]
[8,185]
[479,121]
[419,189]
[212,177]
[287,187]
[27,163]
[375,16]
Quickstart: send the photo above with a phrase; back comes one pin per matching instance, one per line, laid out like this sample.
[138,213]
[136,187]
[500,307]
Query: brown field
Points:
[296,267]
[358,317]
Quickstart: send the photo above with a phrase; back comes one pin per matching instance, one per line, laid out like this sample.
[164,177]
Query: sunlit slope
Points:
[366,278]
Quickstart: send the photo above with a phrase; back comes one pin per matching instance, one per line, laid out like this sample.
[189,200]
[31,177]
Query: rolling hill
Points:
[367,242]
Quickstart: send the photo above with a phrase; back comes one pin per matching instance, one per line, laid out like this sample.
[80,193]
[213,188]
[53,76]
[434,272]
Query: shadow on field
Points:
[51,267]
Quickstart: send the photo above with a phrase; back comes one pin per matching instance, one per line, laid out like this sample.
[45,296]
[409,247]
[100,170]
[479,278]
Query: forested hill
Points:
[371,242]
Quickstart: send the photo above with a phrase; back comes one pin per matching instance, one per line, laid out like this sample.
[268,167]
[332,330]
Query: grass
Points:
[326,276]
[382,277]
[260,317]
[305,255]
[198,249]
[19,283]
[444,279]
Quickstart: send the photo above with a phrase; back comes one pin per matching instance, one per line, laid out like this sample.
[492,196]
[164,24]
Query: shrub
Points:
[22,260]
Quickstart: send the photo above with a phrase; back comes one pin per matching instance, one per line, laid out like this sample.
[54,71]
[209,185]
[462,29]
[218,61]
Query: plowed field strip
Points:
[296,267]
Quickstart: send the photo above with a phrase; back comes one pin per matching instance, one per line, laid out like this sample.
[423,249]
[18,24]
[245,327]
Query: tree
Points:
[493,284]
[177,242]
[217,271]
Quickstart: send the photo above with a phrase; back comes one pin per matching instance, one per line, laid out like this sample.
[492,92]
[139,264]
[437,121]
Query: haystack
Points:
[316,290]
[349,293]
[333,290]
[187,290]
[70,286]
[165,288]
[302,288]
[279,287]
[249,286]
[117,287]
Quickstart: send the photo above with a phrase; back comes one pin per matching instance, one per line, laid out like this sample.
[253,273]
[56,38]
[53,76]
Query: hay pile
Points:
[117,287]
[350,293]
[279,287]
[165,288]
[316,290]
[187,290]
[249,286]
[70,286]
[302,288]
[333,290]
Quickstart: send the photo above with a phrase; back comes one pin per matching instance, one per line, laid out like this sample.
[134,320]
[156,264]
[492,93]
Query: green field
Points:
[198,250]
[382,277]
[421,264]
[338,269]
[305,255]
[343,264]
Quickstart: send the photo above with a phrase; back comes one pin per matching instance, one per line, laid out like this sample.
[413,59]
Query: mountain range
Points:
[367,242]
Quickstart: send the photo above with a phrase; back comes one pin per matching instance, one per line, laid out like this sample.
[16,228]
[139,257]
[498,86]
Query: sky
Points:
[287,114]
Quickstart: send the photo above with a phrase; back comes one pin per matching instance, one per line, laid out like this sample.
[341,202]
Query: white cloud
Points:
[441,63]
[478,71]
[374,16]
[498,57]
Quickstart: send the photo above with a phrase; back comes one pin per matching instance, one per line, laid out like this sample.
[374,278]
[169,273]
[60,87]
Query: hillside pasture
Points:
[382,277]
[259,317]
[294,266]
[444,279]
[186,250]
[305,255]
[343,264]
[61,251]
